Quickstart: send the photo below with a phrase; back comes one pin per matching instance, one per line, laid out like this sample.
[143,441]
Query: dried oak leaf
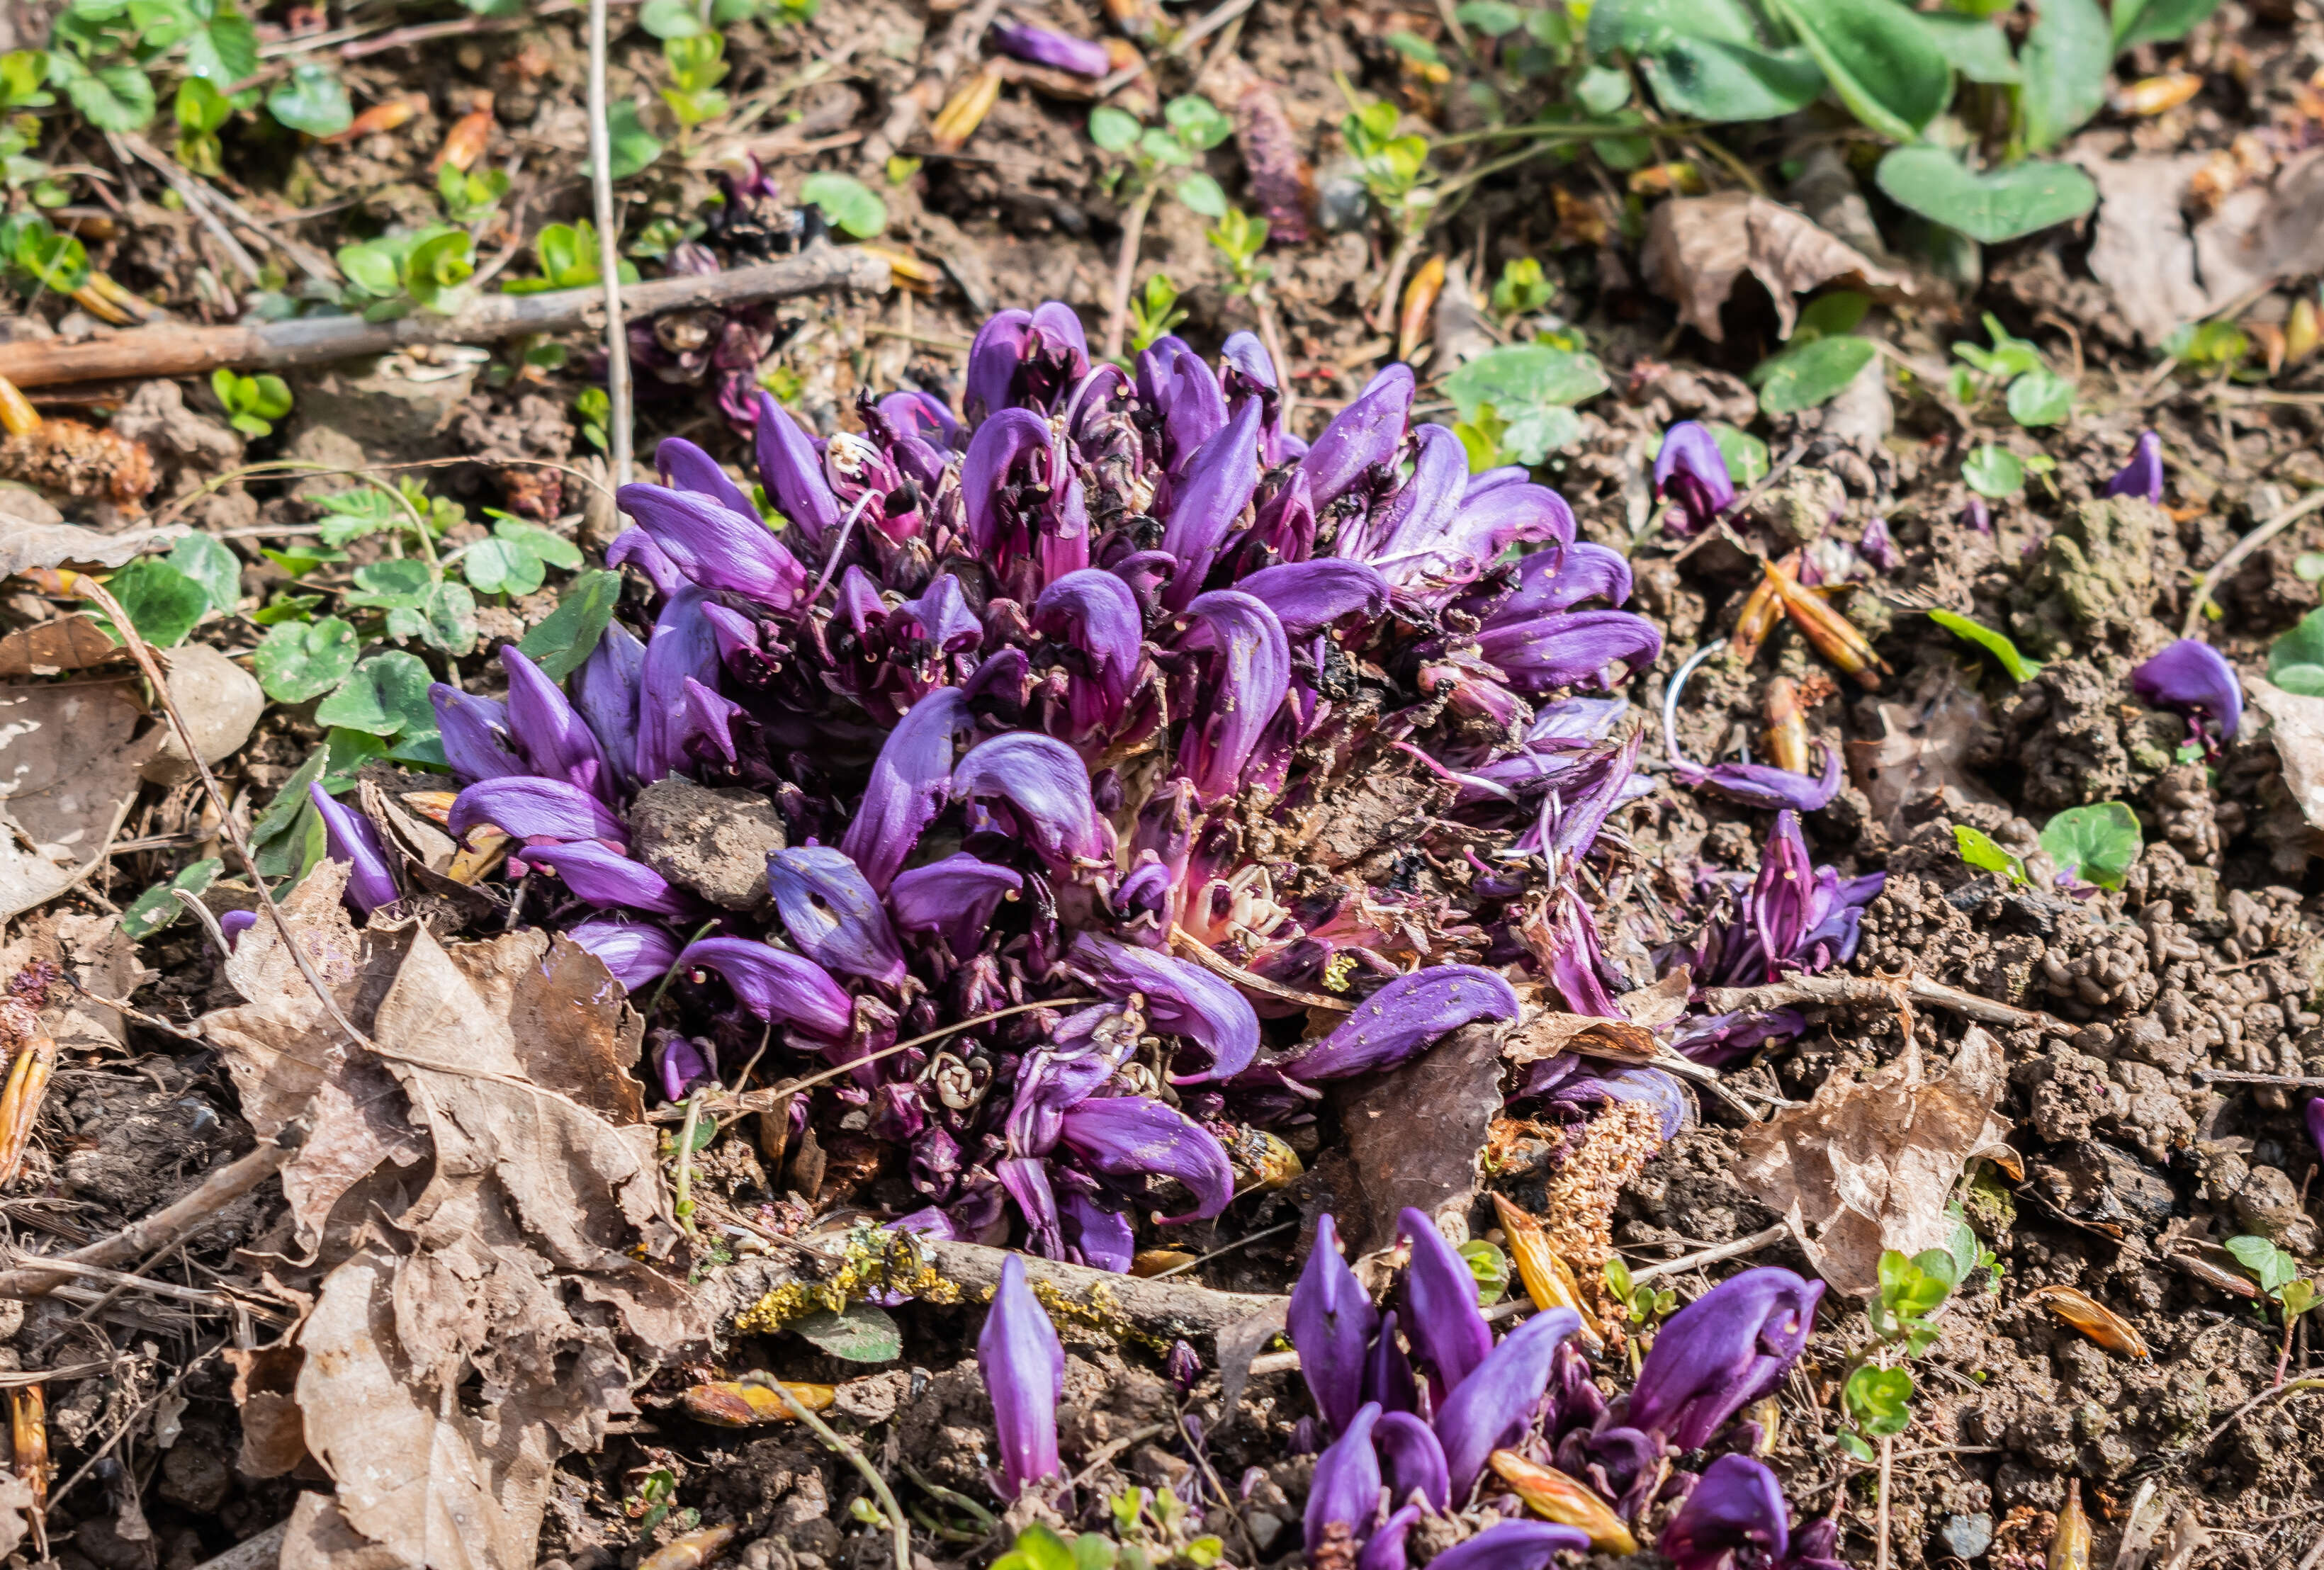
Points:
[27,543]
[1869,1164]
[2296,726]
[1697,247]
[58,645]
[69,757]
[1412,1137]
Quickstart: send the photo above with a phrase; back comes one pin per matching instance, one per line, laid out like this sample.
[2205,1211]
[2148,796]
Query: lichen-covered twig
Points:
[1868,992]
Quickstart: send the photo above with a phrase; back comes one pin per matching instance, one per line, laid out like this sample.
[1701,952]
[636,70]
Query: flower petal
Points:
[716,547]
[606,877]
[1408,1015]
[1494,1404]
[1248,680]
[1331,1322]
[636,955]
[793,476]
[549,732]
[955,896]
[775,984]
[1306,596]
[1346,1487]
[1513,1546]
[474,733]
[1364,434]
[1024,1369]
[1736,1507]
[1447,1328]
[371,881]
[1724,1350]
[526,807]
[686,467]
[1128,1136]
[832,914]
[1047,787]
[2196,679]
[1182,999]
[1042,46]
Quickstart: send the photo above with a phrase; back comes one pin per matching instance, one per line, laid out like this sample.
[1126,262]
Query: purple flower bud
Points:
[916,414]
[832,914]
[1221,477]
[1496,1402]
[1249,676]
[1024,356]
[939,619]
[1024,1368]
[636,957]
[1878,547]
[686,467]
[1408,1015]
[1977,515]
[2193,678]
[555,740]
[1128,1136]
[350,837]
[683,648]
[1185,392]
[1736,1508]
[2315,1122]
[1048,788]
[683,1065]
[1095,612]
[909,781]
[1692,470]
[234,924]
[2142,475]
[606,877]
[1513,1546]
[737,637]
[633,546]
[1184,1365]
[1182,999]
[793,477]
[474,732]
[1346,1488]
[525,807]
[1364,434]
[1013,442]
[1080,56]
[1306,596]
[1415,1461]
[1387,1371]
[1720,1352]
[605,692]
[1331,1322]
[1764,785]
[955,896]
[1385,1549]
[708,718]
[775,984]
[716,547]
[1571,648]
[1563,577]
[1440,1294]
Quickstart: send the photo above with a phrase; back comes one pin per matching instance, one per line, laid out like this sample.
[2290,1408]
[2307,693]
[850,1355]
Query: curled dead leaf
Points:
[2092,1318]
[1696,248]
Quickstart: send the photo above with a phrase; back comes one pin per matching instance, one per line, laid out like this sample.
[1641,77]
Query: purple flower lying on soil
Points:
[2142,475]
[1024,1369]
[1790,917]
[1692,471]
[2196,679]
[1043,46]
[1720,1351]
[1735,1515]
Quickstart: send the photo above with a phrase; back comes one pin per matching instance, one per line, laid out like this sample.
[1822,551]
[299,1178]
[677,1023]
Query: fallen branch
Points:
[186,351]
[1860,992]
[172,1224]
[1166,1310]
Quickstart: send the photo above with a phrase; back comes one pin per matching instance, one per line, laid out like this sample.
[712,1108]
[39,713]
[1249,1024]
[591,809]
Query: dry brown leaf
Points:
[69,762]
[27,878]
[273,1437]
[2263,233]
[1697,247]
[572,1024]
[1870,1163]
[1924,749]
[2296,726]
[16,1504]
[98,958]
[317,1538]
[2140,248]
[58,645]
[1412,1137]
[1548,1033]
[26,543]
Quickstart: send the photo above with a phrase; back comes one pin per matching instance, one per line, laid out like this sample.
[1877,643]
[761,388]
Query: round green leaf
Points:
[859,1332]
[1880,58]
[2096,844]
[1811,374]
[1994,472]
[1493,18]
[633,147]
[387,696]
[311,99]
[1113,130]
[299,661]
[163,604]
[851,207]
[2040,397]
[1198,123]
[565,637]
[1976,45]
[670,18]
[1880,1399]
[1999,205]
[1200,194]
[205,559]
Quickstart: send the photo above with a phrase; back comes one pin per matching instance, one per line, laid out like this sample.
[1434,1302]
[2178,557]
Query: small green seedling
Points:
[1998,644]
[252,403]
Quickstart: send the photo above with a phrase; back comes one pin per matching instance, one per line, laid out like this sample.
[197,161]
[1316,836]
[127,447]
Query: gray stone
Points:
[712,842]
[1967,1536]
[222,703]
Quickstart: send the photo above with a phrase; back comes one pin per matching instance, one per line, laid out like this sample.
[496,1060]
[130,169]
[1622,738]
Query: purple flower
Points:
[633,546]
[1387,1371]
[1308,596]
[1736,1514]
[1977,515]
[1024,1369]
[525,807]
[371,881]
[554,738]
[832,914]
[716,547]
[1651,1088]
[234,924]
[776,986]
[2316,1122]
[683,1065]
[637,957]
[1493,1406]
[793,477]
[1048,788]
[607,877]
[1562,577]
[683,648]
[1415,1460]
[1721,1351]
[1396,1023]
[1878,547]
[1385,1548]
[1571,648]
[1130,1136]
[1764,785]
[1401,533]
[915,414]
[909,781]
[1180,998]
[1219,478]
[605,692]
[474,732]
[2193,678]
[955,896]
[1024,356]
[1094,613]
[1363,436]
[1440,1292]
[1513,1546]
[1346,1490]
[1693,471]
[686,467]
[2142,475]
[1792,917]
[1042,47]
[1331,1322]
[1249,674]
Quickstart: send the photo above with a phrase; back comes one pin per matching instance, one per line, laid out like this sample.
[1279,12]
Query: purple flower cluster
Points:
[1017,684]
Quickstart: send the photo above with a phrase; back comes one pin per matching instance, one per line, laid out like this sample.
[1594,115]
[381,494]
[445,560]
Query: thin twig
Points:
[2236,1077]
[609,261]
[898,1522]
[1712,1256]
[194,1210]
[195,195]
[1887,1457]
[1125,270]
[1215,1253]
[2218,570]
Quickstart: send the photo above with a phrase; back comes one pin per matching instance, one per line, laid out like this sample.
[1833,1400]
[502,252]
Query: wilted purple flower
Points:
[1513,1546]
[371,881]
[1646,1086]
[1183,1366]
[474,733]
[527,808]
[1346,1489]
[1181,997]
[1042,47]
[1024,1369]
[2142,475]
[909,781]
[606,877]
[775,984]
[716,547]
[1571,648]
[1047,787]
[1249,675]
[1792,917]
[1440,1290]
[834,916]
[1130,1136]
[1364,435]
[1415,1461]
[1493,1405]
[1331,1322]
[1721,1351]
[793,479]
[555,740]
[1395,1023]
[1692,471]
[1736,1514]
[1764,784]
[1878,547]
[605,692]
[2195,679]
[637,957]
[955,896]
